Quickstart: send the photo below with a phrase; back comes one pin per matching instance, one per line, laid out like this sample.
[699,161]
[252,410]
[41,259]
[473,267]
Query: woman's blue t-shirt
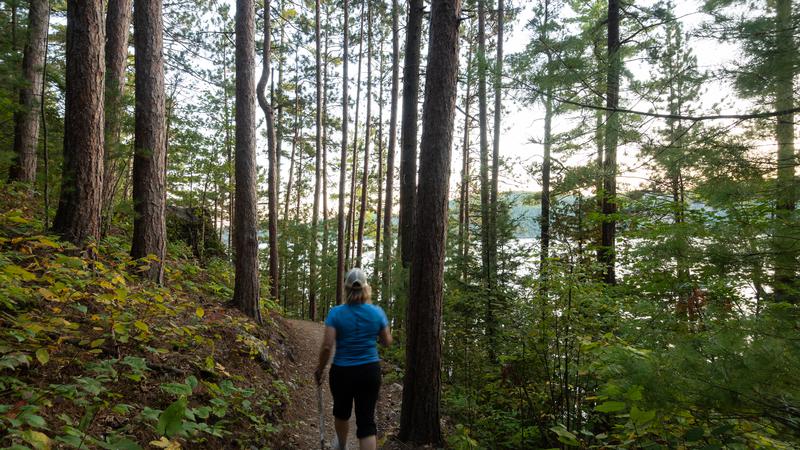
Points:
[357,329]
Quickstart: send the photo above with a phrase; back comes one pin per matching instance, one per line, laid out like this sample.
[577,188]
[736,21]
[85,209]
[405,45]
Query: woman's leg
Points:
[342,429]
[366,396]
[368,443]
[342,392]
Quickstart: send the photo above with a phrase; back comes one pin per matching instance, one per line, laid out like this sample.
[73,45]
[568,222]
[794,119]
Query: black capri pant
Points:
[359,384]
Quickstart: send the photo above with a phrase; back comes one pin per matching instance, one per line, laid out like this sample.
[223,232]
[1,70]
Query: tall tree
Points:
[78,215]
[325,225]
[379,177]
[390,152]
[484,149]
[246,286]
[607,251]
[408,129]
[341,250]
[272,176]
[463,207]
[351,241]
[786,246]
[498,108]
[367,140]
[312,295]
[118,22]
[487,273]
[419,419]
[26,119]
[149,161]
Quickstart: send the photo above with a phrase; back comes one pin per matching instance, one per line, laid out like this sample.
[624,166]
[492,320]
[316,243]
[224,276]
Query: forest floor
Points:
[301,430]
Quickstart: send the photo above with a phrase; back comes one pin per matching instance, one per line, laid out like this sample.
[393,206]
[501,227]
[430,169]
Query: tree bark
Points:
[246,287]
[367,140]
[27,118]
[487,273]
[484,150]
[288,194]
[78,215]
[498,107]
[463,214]
[325,230]
[149,190]
[544,227]
[408,129]
[379,178]
[118,21]
[544,224]
[272,181]
[312,295]
[786,246]
[606,253]
[351,241]
[419,420]
[386,279]
[341,250]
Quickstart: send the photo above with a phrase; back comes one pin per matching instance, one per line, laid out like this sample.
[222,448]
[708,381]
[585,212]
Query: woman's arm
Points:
[385,336]
[325,352]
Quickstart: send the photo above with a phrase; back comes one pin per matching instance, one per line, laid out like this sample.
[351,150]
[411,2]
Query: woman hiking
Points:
[355,375]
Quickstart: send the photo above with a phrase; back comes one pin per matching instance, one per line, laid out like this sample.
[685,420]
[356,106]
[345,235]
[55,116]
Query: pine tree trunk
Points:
[149,189]
[292,157]
[544,227]
[312,295]
[786,245]
[341,250]
[228,147]
[419,419]
[367,140]
[351,215]
[607,257]
[325,230]
[272,181]
[484,150]
[386,279]
[246,287]
[498,107]
[486,201]
[78,215]
[379,200]
[27,118]
[118,21]
[463,214]
[408,129]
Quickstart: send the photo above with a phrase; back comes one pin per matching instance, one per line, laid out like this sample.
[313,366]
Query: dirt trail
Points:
[302,417]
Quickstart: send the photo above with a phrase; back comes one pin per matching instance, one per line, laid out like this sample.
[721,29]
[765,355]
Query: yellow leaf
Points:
[18,271]
[37,439]
[166,444]
[47,294]
[42,356]
[47,242]
[17,219]
[97,343]
[34,328]
[141,326]
[200,312]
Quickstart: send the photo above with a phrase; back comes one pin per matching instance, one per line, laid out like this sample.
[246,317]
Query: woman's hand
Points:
[318,375]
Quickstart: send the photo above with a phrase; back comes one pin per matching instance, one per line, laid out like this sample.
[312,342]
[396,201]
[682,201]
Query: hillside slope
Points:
[91,357]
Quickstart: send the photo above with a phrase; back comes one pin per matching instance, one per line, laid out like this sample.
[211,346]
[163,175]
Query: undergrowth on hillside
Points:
[92,357]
